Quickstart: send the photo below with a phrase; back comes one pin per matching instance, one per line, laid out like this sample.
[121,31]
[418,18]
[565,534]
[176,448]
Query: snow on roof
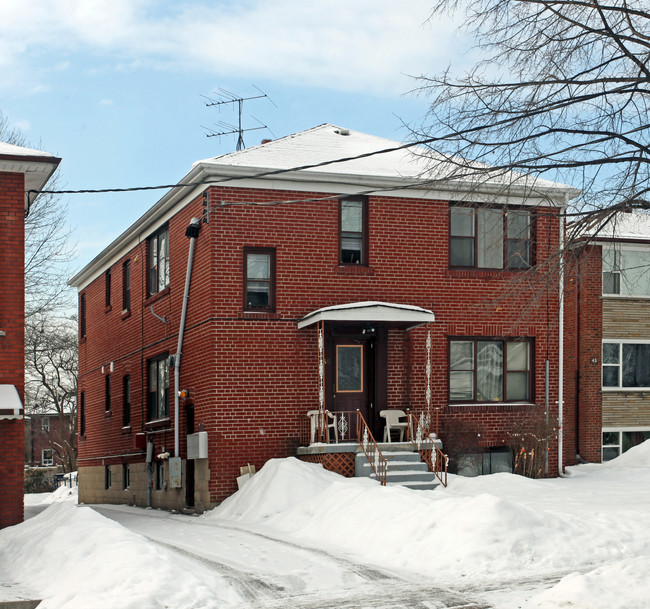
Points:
[627,225]
[329,142]
[19,151]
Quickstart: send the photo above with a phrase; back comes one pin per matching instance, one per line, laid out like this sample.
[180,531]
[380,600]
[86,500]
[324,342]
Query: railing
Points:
[371,449]
[319,427]
[435,459]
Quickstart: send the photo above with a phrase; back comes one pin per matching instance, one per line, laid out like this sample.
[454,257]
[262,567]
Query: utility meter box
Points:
[175,472]
[197,445]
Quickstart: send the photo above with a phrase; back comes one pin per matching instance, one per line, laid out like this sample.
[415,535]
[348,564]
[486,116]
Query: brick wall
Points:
[252,376]
[583,349]
[12,241]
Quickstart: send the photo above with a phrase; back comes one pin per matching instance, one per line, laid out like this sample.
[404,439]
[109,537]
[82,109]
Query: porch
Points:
[353,410]
[343,443]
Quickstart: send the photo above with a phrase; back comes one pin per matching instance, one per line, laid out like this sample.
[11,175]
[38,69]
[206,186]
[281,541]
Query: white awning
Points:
[10,405]
[388,312]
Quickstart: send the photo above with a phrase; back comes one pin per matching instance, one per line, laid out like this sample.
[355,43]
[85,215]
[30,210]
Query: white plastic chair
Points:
[314,425]
[393,423]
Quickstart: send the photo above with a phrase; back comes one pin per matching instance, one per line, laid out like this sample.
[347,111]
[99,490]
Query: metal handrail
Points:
[370,448]
[436,460]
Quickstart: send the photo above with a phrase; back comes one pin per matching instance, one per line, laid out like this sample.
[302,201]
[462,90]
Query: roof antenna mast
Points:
[226,97]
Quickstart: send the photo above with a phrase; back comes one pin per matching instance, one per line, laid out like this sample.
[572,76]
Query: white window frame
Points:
[50,461]
[619,248]
[620,387]
[620,431]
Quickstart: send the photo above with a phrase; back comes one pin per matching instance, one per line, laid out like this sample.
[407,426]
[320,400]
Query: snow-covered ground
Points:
[297,535]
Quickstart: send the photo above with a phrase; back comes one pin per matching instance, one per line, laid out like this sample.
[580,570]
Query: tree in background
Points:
[560,90]
[50,327]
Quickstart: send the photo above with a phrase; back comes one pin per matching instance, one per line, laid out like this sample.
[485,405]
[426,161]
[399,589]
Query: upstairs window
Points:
[353,231]
[259,279]
[158,390]
[107,392]
[82,315]
[158,261]
[484,370]
[489,237]
[107,283]
[626,271]
[126,400]
[126,286]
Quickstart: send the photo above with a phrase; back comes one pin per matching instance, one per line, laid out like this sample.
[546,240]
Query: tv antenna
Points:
[224,97]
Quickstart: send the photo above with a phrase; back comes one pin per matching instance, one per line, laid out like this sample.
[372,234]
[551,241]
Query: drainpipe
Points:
[192,232]
[560,385]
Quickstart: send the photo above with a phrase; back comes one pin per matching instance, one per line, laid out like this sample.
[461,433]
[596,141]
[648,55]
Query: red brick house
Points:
[21,170]
[371,284]
[46,435]
[609,341]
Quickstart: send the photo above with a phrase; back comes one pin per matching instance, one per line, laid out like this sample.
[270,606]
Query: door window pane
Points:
[349,368]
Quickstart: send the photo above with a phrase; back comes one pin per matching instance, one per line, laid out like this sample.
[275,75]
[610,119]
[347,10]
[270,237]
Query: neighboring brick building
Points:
[46,438]
[21,169]
[614,280]
[362,254]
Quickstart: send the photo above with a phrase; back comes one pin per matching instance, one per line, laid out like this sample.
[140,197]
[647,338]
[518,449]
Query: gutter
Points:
[192,232]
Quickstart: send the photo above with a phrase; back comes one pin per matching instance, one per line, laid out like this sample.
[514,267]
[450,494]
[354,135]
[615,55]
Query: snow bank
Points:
[500,526]
[623,584]
[91,561]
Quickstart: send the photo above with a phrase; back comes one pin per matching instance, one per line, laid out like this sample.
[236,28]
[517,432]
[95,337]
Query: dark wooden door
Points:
[354,379]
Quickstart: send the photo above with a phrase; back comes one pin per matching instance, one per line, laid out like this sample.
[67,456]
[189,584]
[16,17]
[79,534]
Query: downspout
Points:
[192,232]
[560,385]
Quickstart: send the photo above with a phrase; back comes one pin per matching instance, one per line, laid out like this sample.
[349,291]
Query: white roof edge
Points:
[369,311]
[10,405]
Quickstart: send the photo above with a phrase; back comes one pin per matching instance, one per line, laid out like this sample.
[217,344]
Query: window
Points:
[160,475]
[158,403]
[489,237]
[126,400]
[82,315]
[47,458]
[626,365]
[158,261]
[45,423]
[107,477]
[353,231]
[617,441]
[126,476]
[126,286]
[82,413]
[259,278]
[107,282]
[483,370]
[107,392]
[626,271]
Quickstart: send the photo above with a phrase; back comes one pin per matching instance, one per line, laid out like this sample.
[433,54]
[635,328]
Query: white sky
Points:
[114,86]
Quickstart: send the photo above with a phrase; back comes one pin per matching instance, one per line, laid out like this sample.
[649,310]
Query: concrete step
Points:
[394,466]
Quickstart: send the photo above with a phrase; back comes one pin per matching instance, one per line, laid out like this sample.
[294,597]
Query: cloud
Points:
[363,45]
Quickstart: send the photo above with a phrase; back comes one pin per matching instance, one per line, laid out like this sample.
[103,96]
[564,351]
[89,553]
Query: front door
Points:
[353,382]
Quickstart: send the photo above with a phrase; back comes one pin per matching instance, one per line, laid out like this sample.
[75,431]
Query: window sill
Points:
[155,423]
[154,297]
[108,309]
[108,414]
[82,340]
[486,273]
[491,405]
[126,430]
[354,269]
[126,314]
[626,389]
[249,314]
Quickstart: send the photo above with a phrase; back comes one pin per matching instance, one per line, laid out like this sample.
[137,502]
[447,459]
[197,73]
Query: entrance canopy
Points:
[400,315]
[10,405]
